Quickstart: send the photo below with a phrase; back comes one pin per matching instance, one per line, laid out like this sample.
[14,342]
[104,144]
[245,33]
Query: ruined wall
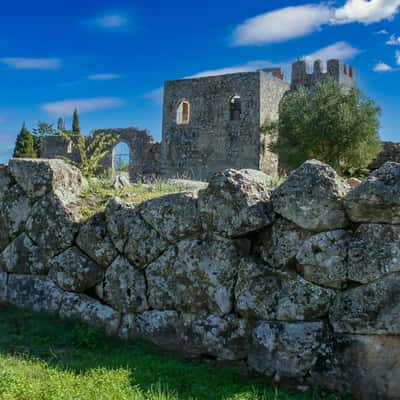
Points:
[299,283]
[390,152]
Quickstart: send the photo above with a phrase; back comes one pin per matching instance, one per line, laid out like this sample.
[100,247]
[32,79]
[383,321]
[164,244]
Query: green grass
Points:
[100,191]
[46,359]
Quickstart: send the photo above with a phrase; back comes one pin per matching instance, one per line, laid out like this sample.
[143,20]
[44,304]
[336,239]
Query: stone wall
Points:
[390,152]
[301,283]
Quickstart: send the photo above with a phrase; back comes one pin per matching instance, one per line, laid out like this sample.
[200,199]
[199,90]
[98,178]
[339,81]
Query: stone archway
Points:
[121,157]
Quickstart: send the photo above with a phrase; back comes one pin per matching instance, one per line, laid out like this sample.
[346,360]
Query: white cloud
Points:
[397,57]
[155,95]
[66,107]
[393,40]
[382,67]
[104,77]
[382,32]
[280,25]
[32,63]
[366,11]
[110,21]
[340,50]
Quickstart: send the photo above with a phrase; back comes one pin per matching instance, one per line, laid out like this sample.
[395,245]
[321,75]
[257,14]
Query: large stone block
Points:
[377,199]
[365,366]
[323,259]
[5,180]
[15,208]
[235,203]
[266,294]
[372,309]
[174,217]
[123,287]
[90,311]
[94,240]
[225,338]
[374,252]
[285,349]
[36,293]
[37,177]
[53,223]
[279,244]
[73,271]
[312,197]
[196,276]
[22,256]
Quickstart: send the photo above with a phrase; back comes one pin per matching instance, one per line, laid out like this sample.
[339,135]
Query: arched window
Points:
[183,113]
[121,158]
[235,108]
[69,147]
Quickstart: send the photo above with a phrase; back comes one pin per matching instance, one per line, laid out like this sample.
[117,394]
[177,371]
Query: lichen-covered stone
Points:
[374,252]
[175,217]
[371,309]
[195,276]
[90,311]
[53,223]
[312,197]
[22,256]
[266,294]
[37,177]
[163,328]
[235,203]
[15,208]
[285,349]
[94,240]
[225,338]
[377,199]
[5,180]
[279,244]
[39,294]
[73,271]
[123,287]
[3,287]
[361,365]
[323,259]
[131,235]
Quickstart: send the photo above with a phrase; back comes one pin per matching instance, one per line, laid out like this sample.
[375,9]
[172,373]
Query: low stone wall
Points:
[299,283]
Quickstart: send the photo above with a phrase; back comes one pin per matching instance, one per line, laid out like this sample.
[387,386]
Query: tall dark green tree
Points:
[76,129]
[25,144]
[61,125]
[333,124]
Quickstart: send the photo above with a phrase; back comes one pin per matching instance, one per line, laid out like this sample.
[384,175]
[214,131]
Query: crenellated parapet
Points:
[335,69]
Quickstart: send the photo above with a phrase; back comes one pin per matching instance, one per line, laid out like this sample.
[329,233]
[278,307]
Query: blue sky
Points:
[110,58]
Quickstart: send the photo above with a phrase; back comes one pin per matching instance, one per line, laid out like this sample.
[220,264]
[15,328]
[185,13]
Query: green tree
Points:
[61,125]
[91,151]
[76,129]
[333,124]
[43,129]
[25,144]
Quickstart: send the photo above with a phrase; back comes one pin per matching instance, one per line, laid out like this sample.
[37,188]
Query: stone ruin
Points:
[300,283]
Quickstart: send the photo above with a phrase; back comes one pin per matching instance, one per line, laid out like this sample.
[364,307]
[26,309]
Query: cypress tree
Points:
[61,124]
[76,129]
[25,144]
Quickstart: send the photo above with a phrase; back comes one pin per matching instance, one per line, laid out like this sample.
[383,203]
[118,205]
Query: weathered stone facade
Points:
[236,272]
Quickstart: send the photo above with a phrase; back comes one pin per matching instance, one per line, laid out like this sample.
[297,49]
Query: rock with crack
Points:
[73,271]
[123,287]
[235,203]
[371,309]
[285,349]
[22,256]
[90,311]
[266,294]
[312,198]
[38,177]
[94,240]
[175,216]
[374,252]
[196,276]
[376,200]
[5,180]
[323,259]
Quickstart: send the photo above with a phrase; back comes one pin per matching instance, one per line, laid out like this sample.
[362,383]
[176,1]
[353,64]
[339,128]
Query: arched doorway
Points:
[121,158]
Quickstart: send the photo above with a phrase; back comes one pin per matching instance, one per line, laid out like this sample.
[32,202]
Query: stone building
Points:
[213,123]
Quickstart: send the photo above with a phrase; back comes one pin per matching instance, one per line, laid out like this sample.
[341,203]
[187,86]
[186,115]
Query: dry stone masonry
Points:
[299,283]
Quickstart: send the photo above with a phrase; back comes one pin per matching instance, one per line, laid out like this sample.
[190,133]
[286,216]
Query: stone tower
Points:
[214,123]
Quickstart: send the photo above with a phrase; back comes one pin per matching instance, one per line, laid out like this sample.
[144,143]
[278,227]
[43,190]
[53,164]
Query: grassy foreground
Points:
[46,359]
